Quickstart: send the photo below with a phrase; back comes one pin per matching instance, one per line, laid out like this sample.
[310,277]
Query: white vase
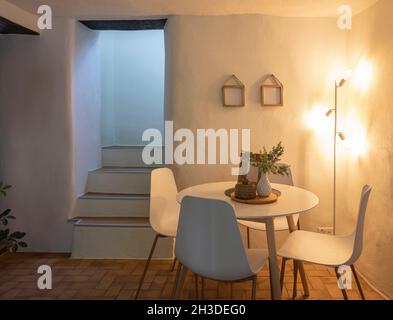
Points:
[264,188]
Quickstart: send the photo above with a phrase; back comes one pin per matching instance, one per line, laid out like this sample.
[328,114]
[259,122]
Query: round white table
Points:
[293,200]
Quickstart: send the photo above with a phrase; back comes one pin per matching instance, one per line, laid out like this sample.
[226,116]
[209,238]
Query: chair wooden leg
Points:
[203,289]
[295,272]
[344,293]
[282,275]
[248,237]
[174,264]
[357,282]
[146,267]
[176,283]
[254,288]
[196,286]
[303,277]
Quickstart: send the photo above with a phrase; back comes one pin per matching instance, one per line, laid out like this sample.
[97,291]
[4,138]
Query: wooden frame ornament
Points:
[275,85]
[233,93]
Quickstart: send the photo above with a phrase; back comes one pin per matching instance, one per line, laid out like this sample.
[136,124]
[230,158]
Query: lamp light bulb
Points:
[341,135]
[346,76]
[328,114]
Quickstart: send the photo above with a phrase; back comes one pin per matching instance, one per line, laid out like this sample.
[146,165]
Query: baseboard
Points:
[372,286]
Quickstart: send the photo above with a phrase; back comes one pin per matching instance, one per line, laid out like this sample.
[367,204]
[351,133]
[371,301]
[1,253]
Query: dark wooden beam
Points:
[125,25]
[9,27]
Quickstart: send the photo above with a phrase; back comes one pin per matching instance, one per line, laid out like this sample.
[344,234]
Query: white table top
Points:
[293,200]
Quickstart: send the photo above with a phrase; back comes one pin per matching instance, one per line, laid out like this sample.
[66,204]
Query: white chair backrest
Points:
[285,179]
[208,240]
[358,234]
[163,204]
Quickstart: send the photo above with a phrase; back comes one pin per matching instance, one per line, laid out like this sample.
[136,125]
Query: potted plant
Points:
[268,163]
[9,240]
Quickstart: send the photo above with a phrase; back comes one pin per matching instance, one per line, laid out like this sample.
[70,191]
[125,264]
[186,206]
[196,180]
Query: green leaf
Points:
[17,235]
[4,234]
[22,244]
[5,213]
[4,221]
[11,217]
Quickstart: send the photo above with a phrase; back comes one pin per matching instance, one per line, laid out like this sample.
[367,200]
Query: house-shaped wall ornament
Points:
[233,94]
[272,92]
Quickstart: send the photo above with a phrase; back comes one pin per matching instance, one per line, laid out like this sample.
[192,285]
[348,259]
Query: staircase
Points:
[112,217]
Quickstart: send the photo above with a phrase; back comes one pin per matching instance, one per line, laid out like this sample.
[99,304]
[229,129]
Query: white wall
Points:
[132,85]
[50,128]
[36,148]
[86,104]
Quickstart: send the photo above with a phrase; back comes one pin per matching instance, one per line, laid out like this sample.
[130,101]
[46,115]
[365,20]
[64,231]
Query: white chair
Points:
[280,224]
[164,210]
[327,250]
[209,243]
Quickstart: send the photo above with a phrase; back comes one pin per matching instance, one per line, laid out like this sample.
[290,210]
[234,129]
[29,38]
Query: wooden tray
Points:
[258,200]
[229,191]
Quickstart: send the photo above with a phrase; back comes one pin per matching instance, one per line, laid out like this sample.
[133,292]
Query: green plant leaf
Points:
[17,235]
[22,244]
[4,234]
[5,213]
[4,221]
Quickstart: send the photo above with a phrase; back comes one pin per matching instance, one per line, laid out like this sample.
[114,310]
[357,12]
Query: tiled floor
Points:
[118,279]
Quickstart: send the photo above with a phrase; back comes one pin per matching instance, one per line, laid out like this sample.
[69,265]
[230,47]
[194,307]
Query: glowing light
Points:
[316,120]
[347,74]
[344,77]
[362,75]
[355,136]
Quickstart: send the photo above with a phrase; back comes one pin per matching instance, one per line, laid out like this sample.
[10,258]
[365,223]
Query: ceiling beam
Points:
[125,25]
[19,17]
[9,27]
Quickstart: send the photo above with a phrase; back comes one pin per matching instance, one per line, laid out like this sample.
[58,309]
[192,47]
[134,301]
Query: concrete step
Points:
[95,205]
[119,181]
[119,156]
[120,238]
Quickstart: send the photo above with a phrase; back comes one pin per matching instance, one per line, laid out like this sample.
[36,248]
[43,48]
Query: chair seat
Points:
[256,259]
[280,224]
[317,248]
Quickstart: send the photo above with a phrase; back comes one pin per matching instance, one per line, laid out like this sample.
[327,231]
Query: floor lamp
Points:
[338,85]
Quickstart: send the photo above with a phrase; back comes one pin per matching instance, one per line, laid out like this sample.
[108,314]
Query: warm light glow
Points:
[316,119]
[355,136]
[362,75]
[344,77]
[347,74]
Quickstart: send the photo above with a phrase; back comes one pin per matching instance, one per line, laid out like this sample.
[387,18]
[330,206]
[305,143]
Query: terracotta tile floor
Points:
[118,279]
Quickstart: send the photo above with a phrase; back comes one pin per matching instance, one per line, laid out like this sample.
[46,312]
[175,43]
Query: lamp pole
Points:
[335,156]
[337,85]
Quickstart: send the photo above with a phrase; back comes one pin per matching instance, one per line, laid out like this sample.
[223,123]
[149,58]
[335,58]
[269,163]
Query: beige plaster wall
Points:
[367,112]
[305,54]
